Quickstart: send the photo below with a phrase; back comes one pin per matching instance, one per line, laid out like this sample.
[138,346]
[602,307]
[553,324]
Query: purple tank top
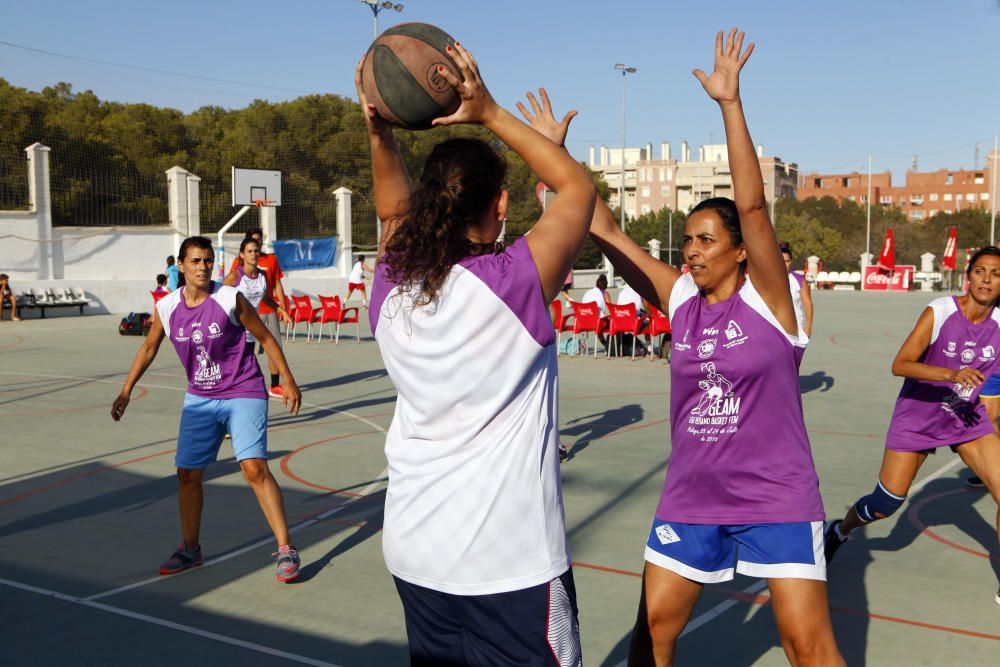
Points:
[936,414]
[211,344]
[740,453]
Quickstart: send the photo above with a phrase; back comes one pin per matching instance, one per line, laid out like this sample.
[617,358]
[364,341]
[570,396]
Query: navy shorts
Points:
[710,553]
[532,626]
[991,388]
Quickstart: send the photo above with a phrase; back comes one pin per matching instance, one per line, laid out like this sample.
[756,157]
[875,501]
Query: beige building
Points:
[679,184]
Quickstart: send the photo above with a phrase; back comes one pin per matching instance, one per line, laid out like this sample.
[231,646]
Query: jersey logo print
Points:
[735,335]
[208,374]
[718,411]
[706,348]
[715,387]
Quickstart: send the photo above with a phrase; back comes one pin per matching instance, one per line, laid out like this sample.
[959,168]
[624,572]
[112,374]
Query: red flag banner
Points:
[950,251]
[887,260]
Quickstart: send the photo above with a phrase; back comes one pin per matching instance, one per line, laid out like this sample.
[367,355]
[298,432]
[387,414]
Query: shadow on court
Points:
[819,380]
[360,376]
[599,425]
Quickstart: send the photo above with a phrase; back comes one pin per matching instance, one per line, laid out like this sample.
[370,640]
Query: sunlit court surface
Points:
[88,511]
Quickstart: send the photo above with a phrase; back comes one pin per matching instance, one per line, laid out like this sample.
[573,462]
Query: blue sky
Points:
[829,83]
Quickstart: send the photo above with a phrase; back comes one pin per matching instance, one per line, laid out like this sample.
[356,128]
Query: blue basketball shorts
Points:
[531,626]
[991,388]
[205,422]
[710,553]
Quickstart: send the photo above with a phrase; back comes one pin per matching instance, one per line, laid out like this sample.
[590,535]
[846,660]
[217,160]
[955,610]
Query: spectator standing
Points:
[172,272]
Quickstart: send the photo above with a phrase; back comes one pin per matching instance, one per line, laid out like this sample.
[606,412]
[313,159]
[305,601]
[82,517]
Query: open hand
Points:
[724,83]
[292,398]
[476,101]
[543,121]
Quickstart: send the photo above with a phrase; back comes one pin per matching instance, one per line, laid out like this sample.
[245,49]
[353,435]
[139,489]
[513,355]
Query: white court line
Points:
[761,584]
[145,618]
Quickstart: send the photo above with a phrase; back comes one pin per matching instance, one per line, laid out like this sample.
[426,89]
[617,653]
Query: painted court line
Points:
[146,618]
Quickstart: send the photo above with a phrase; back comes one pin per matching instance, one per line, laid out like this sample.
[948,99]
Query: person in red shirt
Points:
[268,263]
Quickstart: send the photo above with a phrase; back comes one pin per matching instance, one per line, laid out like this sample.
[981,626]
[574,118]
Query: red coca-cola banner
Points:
[899,280]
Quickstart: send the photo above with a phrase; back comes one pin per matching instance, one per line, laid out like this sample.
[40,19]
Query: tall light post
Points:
[376,6]
[621,183]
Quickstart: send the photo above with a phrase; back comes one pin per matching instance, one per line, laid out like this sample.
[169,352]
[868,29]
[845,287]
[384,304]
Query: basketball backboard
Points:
[253,185]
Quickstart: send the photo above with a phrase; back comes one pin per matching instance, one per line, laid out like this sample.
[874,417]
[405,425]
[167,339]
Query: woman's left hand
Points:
[543,121]
[476,101]
[724,84]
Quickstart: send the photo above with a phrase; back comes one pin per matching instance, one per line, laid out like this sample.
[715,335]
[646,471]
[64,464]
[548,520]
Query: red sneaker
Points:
[277,391]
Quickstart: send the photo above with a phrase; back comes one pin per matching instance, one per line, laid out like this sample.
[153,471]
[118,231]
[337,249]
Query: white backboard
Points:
[249,185]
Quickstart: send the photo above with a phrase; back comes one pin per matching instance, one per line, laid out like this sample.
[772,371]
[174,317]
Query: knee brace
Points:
[879,504]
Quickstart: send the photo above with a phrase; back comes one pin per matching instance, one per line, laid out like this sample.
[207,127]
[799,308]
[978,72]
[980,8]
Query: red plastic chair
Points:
[587,318]
[659,325]
[561,323]
[624,320]
[331,310]
[304,312]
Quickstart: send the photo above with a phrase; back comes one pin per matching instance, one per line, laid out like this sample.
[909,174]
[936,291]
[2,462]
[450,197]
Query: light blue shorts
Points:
[205,422]
[710,553]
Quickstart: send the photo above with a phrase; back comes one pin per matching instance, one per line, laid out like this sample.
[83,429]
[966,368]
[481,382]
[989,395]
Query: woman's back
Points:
[474,504]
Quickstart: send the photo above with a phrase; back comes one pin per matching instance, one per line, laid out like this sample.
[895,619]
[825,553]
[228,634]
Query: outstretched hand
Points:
[376,124]
[543,121]
[724,83]
[476,101]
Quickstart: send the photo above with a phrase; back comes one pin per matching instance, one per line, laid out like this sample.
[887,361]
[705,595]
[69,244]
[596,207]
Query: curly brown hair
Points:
[461,180]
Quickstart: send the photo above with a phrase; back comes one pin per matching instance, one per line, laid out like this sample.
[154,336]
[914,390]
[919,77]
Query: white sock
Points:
[840,535]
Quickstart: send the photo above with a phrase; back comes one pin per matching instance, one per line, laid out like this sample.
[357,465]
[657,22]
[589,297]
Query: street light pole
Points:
[376,6]
[621,183]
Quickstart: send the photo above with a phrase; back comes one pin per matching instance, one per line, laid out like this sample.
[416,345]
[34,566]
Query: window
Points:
[645,191]
[917,200]
[846,182]
[851,197]
[934,196]
[902,200]
[947,196]
[970,196]
[645,209]
[817,183]
[979,179]
[951,179]
[864,199]
[663,174]
[665,191]
[670,174]
[933,212]
[885,199]
[984,196]
[916,215]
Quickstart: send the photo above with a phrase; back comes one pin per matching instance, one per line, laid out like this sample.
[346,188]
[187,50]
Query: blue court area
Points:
[88,511]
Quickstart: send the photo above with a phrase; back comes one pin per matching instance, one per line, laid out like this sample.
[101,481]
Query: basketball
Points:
[400,75]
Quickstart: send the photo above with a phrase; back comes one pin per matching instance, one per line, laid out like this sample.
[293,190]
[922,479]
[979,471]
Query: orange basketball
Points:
[400,75]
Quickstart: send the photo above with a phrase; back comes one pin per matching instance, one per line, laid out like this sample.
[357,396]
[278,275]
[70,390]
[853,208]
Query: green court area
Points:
[88,511]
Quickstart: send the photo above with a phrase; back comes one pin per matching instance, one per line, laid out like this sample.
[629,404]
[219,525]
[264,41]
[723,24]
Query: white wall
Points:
[20,252]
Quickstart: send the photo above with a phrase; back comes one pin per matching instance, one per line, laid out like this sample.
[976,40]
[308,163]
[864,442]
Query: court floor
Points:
[88,511]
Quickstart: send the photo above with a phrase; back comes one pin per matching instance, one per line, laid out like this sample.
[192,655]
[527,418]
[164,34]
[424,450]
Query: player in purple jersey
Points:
[953,347]
[207,323]
[741,492]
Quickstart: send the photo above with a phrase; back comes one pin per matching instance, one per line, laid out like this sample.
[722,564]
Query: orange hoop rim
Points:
[263,202]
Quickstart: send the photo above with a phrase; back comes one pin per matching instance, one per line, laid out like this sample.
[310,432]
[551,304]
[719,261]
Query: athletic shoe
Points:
[288,563]
[277,391]
[832,541]
[974,482]
[184,558]
[563,453]
[996,598]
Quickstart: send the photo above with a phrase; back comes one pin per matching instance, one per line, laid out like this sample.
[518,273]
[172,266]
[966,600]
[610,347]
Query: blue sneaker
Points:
[184,558]
[288,563]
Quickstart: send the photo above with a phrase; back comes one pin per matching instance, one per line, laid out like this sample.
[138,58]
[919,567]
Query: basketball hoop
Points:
[263,202]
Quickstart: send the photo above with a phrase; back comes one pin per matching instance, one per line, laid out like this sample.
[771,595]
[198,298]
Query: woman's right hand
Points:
[375,123]
[477,104]
[118,407]
[969,378]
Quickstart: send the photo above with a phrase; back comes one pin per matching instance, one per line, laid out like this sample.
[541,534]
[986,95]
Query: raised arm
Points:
[557,237]
[650,277]
[766,266]
[390,178]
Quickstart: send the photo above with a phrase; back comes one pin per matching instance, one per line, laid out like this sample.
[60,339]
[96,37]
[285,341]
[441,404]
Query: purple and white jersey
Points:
[474,504]
[936,414]
[795,280]
[740,453]
[210,341]
[253,289]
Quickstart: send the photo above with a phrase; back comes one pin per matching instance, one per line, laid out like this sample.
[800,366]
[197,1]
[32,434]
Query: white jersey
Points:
[253,289]
[595,295]
[357,273]
[795,285]
[629,295]
[474,504]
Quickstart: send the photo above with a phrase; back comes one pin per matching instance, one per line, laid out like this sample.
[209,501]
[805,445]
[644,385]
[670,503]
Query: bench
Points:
[70,297]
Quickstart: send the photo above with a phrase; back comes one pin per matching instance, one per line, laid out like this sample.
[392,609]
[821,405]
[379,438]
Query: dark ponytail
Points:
[461,180]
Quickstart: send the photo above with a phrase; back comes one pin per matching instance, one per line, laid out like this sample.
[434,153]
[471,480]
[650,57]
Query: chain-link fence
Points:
[14,183]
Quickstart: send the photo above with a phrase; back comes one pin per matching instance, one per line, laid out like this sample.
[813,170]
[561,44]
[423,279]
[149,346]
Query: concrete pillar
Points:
[812,265]
[269,224]
[193,186]
[345,256]
[665,150]
[40,202]
[927,262]
[604,156]
[590,157]
[685,152]
[177,200]
[654,248]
